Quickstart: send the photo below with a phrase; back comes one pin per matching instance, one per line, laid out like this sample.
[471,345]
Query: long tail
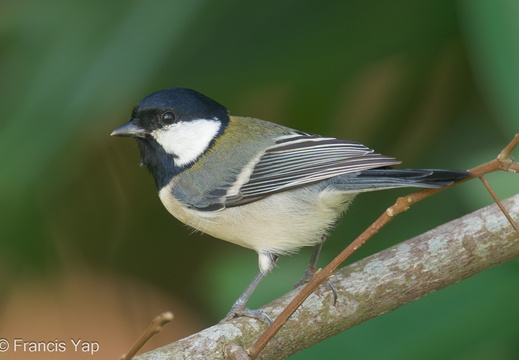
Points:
[376,179]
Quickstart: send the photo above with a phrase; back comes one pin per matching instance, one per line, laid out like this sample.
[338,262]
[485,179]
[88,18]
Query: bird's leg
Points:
[239,309]
[312,268]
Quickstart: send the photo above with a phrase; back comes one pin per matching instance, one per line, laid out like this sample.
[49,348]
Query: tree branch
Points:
[366,289]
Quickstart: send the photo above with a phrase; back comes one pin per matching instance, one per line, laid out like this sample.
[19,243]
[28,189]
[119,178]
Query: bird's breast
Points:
[280,223]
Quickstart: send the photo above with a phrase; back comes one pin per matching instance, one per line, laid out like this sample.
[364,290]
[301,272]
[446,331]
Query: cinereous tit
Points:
[255,183]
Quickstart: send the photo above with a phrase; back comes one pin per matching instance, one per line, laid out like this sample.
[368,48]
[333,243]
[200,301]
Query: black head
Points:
[184,104]
[173,128]
[165,107]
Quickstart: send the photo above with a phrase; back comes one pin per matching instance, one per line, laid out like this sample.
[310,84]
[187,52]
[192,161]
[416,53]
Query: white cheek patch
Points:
[187,140]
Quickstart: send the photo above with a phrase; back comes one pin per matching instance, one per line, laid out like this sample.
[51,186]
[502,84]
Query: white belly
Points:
[280,223]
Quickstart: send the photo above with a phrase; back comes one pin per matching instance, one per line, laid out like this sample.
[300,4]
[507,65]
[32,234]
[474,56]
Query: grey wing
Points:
[298,160]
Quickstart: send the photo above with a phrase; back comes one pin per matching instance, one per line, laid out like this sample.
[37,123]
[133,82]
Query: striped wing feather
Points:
[301,160]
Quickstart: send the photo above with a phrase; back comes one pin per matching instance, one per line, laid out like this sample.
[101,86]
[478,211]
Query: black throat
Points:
[159,163]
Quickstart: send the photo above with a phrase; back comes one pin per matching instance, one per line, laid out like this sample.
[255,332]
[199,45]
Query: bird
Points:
[254,183]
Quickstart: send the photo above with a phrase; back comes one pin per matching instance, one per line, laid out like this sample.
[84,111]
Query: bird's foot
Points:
[309,274]
[237,311]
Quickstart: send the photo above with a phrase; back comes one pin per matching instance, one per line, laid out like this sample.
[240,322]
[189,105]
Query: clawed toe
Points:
[243,311]
[333,289]
[309,273]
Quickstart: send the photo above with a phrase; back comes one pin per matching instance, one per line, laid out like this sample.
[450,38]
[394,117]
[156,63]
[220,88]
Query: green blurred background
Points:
[86,248]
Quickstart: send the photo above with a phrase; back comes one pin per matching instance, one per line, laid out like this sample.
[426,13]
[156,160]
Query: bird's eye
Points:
[168,117]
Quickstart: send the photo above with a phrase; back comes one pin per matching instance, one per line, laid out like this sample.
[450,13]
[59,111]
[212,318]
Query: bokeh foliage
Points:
[432,83]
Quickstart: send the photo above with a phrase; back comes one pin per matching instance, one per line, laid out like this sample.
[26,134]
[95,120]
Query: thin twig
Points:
[502,162]
[507,151]
[498,202]
[155,327]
